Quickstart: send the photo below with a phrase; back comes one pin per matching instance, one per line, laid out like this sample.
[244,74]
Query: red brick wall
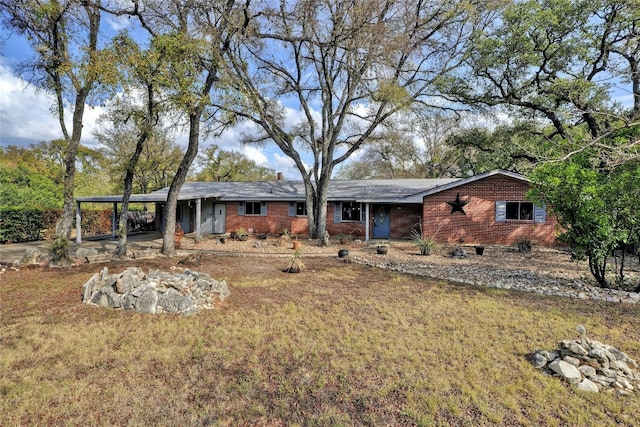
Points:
[351,228]
[275,221]
[479,225]
[403,219]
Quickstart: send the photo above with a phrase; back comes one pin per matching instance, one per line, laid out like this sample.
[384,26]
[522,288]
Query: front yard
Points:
[339,344]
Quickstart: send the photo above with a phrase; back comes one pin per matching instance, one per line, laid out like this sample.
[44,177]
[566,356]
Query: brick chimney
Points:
[279,176]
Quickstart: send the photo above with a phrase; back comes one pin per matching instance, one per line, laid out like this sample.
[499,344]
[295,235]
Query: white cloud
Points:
[26,117]
[256,154]
[118,23]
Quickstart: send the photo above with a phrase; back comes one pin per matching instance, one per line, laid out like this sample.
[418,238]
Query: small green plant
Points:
[60,251]
[427,245]
[241,233]
[524,246]
[296,265]
[284,232]
[343,238]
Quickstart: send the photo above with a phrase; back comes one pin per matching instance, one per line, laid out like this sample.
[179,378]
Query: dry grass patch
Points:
[339,344]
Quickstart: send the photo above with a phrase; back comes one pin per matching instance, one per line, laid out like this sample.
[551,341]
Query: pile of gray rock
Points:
[590,365]
[31,256]
[156,292]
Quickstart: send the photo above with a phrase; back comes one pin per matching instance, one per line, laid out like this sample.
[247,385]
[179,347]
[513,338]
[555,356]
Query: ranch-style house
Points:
[489,208]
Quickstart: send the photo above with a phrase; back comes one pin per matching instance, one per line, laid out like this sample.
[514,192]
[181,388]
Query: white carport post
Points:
[114,219]
[78,223]
[198,220]
[366,222]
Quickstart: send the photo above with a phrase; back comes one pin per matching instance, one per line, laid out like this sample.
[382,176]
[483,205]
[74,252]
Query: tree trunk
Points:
[620,278]
[121,248]
[312,212]
[322,192]
[168,246]
[598,268]
[65,223]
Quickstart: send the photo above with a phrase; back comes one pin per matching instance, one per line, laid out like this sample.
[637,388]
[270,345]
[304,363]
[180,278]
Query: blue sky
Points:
[25,112]
[26,118]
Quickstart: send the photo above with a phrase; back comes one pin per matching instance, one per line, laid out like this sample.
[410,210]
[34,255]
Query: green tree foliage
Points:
[154,169]
[22,187]
[90,178]
[25,182]
[348,66]
[68,61]
[33,177]
[556,60]
[441,150]
[596,205]
[224,165]
[517,148]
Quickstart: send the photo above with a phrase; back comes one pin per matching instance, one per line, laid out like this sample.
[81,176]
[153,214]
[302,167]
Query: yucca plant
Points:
[426,244]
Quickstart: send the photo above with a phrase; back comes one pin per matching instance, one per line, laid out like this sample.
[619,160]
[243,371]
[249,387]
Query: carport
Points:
[157,197]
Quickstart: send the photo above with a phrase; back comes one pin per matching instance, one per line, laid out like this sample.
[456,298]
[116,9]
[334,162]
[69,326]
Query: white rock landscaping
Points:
[157,292]
[521,280]
[590,365]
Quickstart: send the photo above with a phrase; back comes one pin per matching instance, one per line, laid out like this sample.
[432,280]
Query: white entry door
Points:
[219,218]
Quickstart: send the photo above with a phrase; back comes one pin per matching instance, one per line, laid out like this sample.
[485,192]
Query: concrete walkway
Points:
[104,244]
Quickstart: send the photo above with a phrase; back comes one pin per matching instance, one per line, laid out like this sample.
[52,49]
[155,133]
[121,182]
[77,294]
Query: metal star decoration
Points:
[458,205]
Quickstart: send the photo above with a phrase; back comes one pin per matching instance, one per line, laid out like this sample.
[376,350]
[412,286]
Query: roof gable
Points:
[469,180]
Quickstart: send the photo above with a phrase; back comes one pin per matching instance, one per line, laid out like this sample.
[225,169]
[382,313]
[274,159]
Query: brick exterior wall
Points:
[403,219]
[479,225]
[276,220]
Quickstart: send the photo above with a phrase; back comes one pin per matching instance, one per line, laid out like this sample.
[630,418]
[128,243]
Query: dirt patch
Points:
[548,261]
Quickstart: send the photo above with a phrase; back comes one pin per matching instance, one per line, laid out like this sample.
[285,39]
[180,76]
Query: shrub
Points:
[60,251]
[426,244]
[28,224]
[524,246]
[22,225]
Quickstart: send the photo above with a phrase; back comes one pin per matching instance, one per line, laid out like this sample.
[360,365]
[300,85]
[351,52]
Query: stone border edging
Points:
[521,280]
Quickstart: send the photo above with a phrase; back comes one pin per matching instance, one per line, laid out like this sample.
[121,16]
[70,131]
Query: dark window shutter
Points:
[292,208]
[501,211]
[539,214]
[240,208]
[263,208]
[337,213]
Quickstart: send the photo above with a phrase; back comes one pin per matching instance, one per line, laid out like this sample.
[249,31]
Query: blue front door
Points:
[381,222]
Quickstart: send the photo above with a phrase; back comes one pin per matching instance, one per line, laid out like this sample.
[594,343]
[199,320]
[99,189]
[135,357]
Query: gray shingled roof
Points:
[371,190]
[377,190]
[384,190]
